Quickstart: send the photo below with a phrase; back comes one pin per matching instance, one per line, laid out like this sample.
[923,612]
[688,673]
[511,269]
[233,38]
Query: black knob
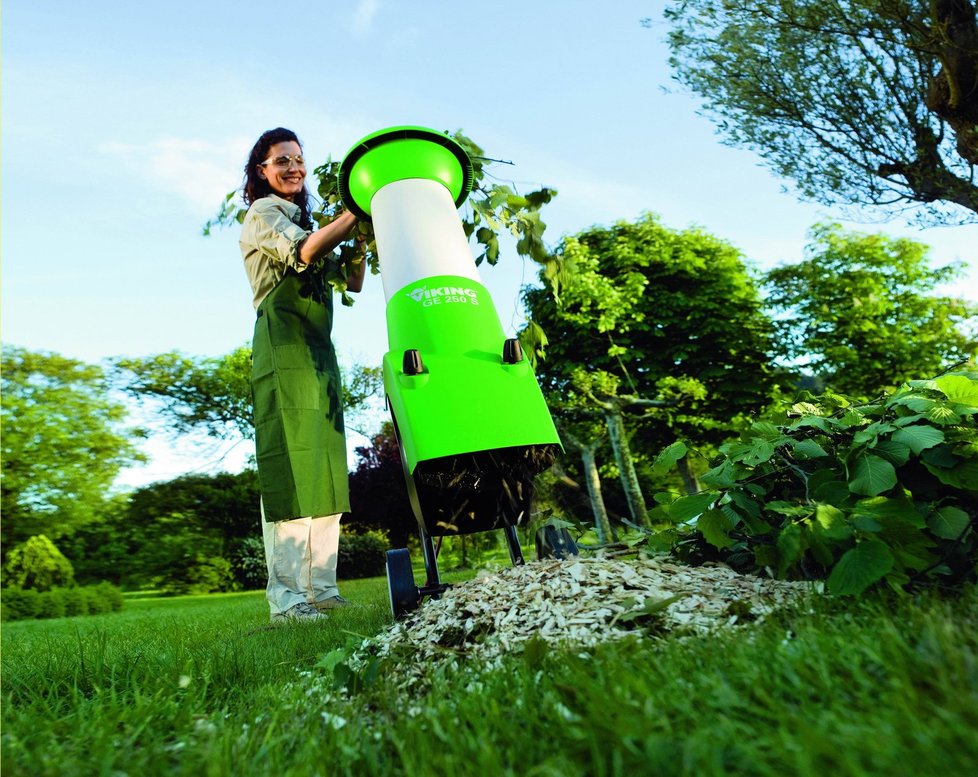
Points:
[512,351]
[412,364]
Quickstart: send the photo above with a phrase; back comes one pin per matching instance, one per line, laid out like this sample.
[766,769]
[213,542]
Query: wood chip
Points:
[579,602]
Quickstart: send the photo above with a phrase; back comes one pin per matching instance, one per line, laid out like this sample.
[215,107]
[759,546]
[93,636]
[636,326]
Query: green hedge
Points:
[362,555]
[25,603]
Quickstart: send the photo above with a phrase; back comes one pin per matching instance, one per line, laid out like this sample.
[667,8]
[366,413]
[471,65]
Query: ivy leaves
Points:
[884,491]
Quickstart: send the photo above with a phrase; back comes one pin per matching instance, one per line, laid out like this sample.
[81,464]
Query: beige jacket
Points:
[270,238]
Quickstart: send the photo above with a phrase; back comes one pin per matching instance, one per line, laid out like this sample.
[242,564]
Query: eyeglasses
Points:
[285,162]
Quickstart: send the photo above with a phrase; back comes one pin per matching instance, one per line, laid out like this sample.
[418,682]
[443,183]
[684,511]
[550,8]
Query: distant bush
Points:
[362,555]
[19,603]
[204,575]
[248,563]
[76,602]
[50,605]
[111,595]
[24,604]
[39,565]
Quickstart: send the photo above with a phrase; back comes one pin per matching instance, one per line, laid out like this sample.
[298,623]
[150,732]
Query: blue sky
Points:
[125,123]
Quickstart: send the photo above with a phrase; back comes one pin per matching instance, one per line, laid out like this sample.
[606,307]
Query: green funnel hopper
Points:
[398,153]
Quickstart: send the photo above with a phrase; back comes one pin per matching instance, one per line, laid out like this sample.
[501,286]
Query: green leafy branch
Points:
[491,210]
[881,491]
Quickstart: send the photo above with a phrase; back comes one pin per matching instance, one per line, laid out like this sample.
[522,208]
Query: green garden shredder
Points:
[471,422]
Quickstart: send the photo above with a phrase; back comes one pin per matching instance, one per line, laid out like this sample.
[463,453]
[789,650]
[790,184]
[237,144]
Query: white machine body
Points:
[419,234]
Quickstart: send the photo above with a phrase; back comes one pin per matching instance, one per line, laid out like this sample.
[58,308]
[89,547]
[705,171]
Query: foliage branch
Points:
[492,209]
[860,102]
[213,394]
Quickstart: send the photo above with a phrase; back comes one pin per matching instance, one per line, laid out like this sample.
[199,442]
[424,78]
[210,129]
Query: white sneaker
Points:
[332,603]
[299,612]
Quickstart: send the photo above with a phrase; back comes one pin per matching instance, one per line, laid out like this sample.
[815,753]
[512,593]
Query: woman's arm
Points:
[354,282]
[324,240]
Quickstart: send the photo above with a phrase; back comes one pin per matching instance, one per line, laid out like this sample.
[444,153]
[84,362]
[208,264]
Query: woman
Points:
[299,435]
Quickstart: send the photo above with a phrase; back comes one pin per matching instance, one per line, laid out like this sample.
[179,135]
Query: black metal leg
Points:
[430,558]
[513,542]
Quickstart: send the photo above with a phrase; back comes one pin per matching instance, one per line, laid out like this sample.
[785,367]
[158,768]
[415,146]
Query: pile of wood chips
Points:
[581,601]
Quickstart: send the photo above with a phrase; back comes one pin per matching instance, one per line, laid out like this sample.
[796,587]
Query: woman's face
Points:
[283,169]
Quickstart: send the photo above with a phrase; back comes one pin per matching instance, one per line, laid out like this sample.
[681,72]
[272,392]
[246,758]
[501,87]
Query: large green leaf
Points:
[860,567]
[759,452]
[941,414]
[918,438]
[886,510]
[749,506]
[713,525]
[790,547]
[766,431]
[959,388]
[688,507]
[965,475]
[808,449]
[871,432]
[871,475]
[831,521]
[667,459]
[894,452]
[948,522]
[722,476]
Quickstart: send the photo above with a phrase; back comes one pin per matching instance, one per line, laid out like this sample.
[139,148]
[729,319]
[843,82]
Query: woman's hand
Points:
[324,240]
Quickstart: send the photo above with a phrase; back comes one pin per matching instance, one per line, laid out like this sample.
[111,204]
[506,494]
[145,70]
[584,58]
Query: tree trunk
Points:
[690,481]
[623,457]
[601,523]
[953,94]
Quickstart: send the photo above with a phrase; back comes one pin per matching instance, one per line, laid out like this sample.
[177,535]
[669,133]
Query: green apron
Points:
[295,383]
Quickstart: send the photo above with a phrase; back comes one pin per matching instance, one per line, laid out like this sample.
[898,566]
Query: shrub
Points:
[95,601]
[76,602]
[362,555]
[38,564]
[248,562]
[50,604]
[112,595]
[20,603]
[203,576]
[856,493]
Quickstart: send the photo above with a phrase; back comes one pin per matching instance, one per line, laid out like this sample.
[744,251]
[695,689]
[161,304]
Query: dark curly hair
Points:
[255,187]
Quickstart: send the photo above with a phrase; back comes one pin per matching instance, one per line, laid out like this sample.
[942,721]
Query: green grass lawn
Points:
[203,686]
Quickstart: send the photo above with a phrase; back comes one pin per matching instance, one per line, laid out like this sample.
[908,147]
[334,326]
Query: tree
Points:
[164,531]
[210,393]
[213,394]
[378,494]
[859,313]
[63,443]
[657,330]
[224,502]
[586,442]
[860,102]
[38,564]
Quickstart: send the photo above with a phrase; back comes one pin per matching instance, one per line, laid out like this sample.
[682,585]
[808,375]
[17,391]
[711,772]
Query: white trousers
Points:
[301,556]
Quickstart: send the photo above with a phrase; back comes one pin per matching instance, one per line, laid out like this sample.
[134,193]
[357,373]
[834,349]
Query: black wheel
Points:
[552,542]
[403,592]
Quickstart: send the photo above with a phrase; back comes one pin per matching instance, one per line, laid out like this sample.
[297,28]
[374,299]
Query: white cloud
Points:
[200,172]
[363,17]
